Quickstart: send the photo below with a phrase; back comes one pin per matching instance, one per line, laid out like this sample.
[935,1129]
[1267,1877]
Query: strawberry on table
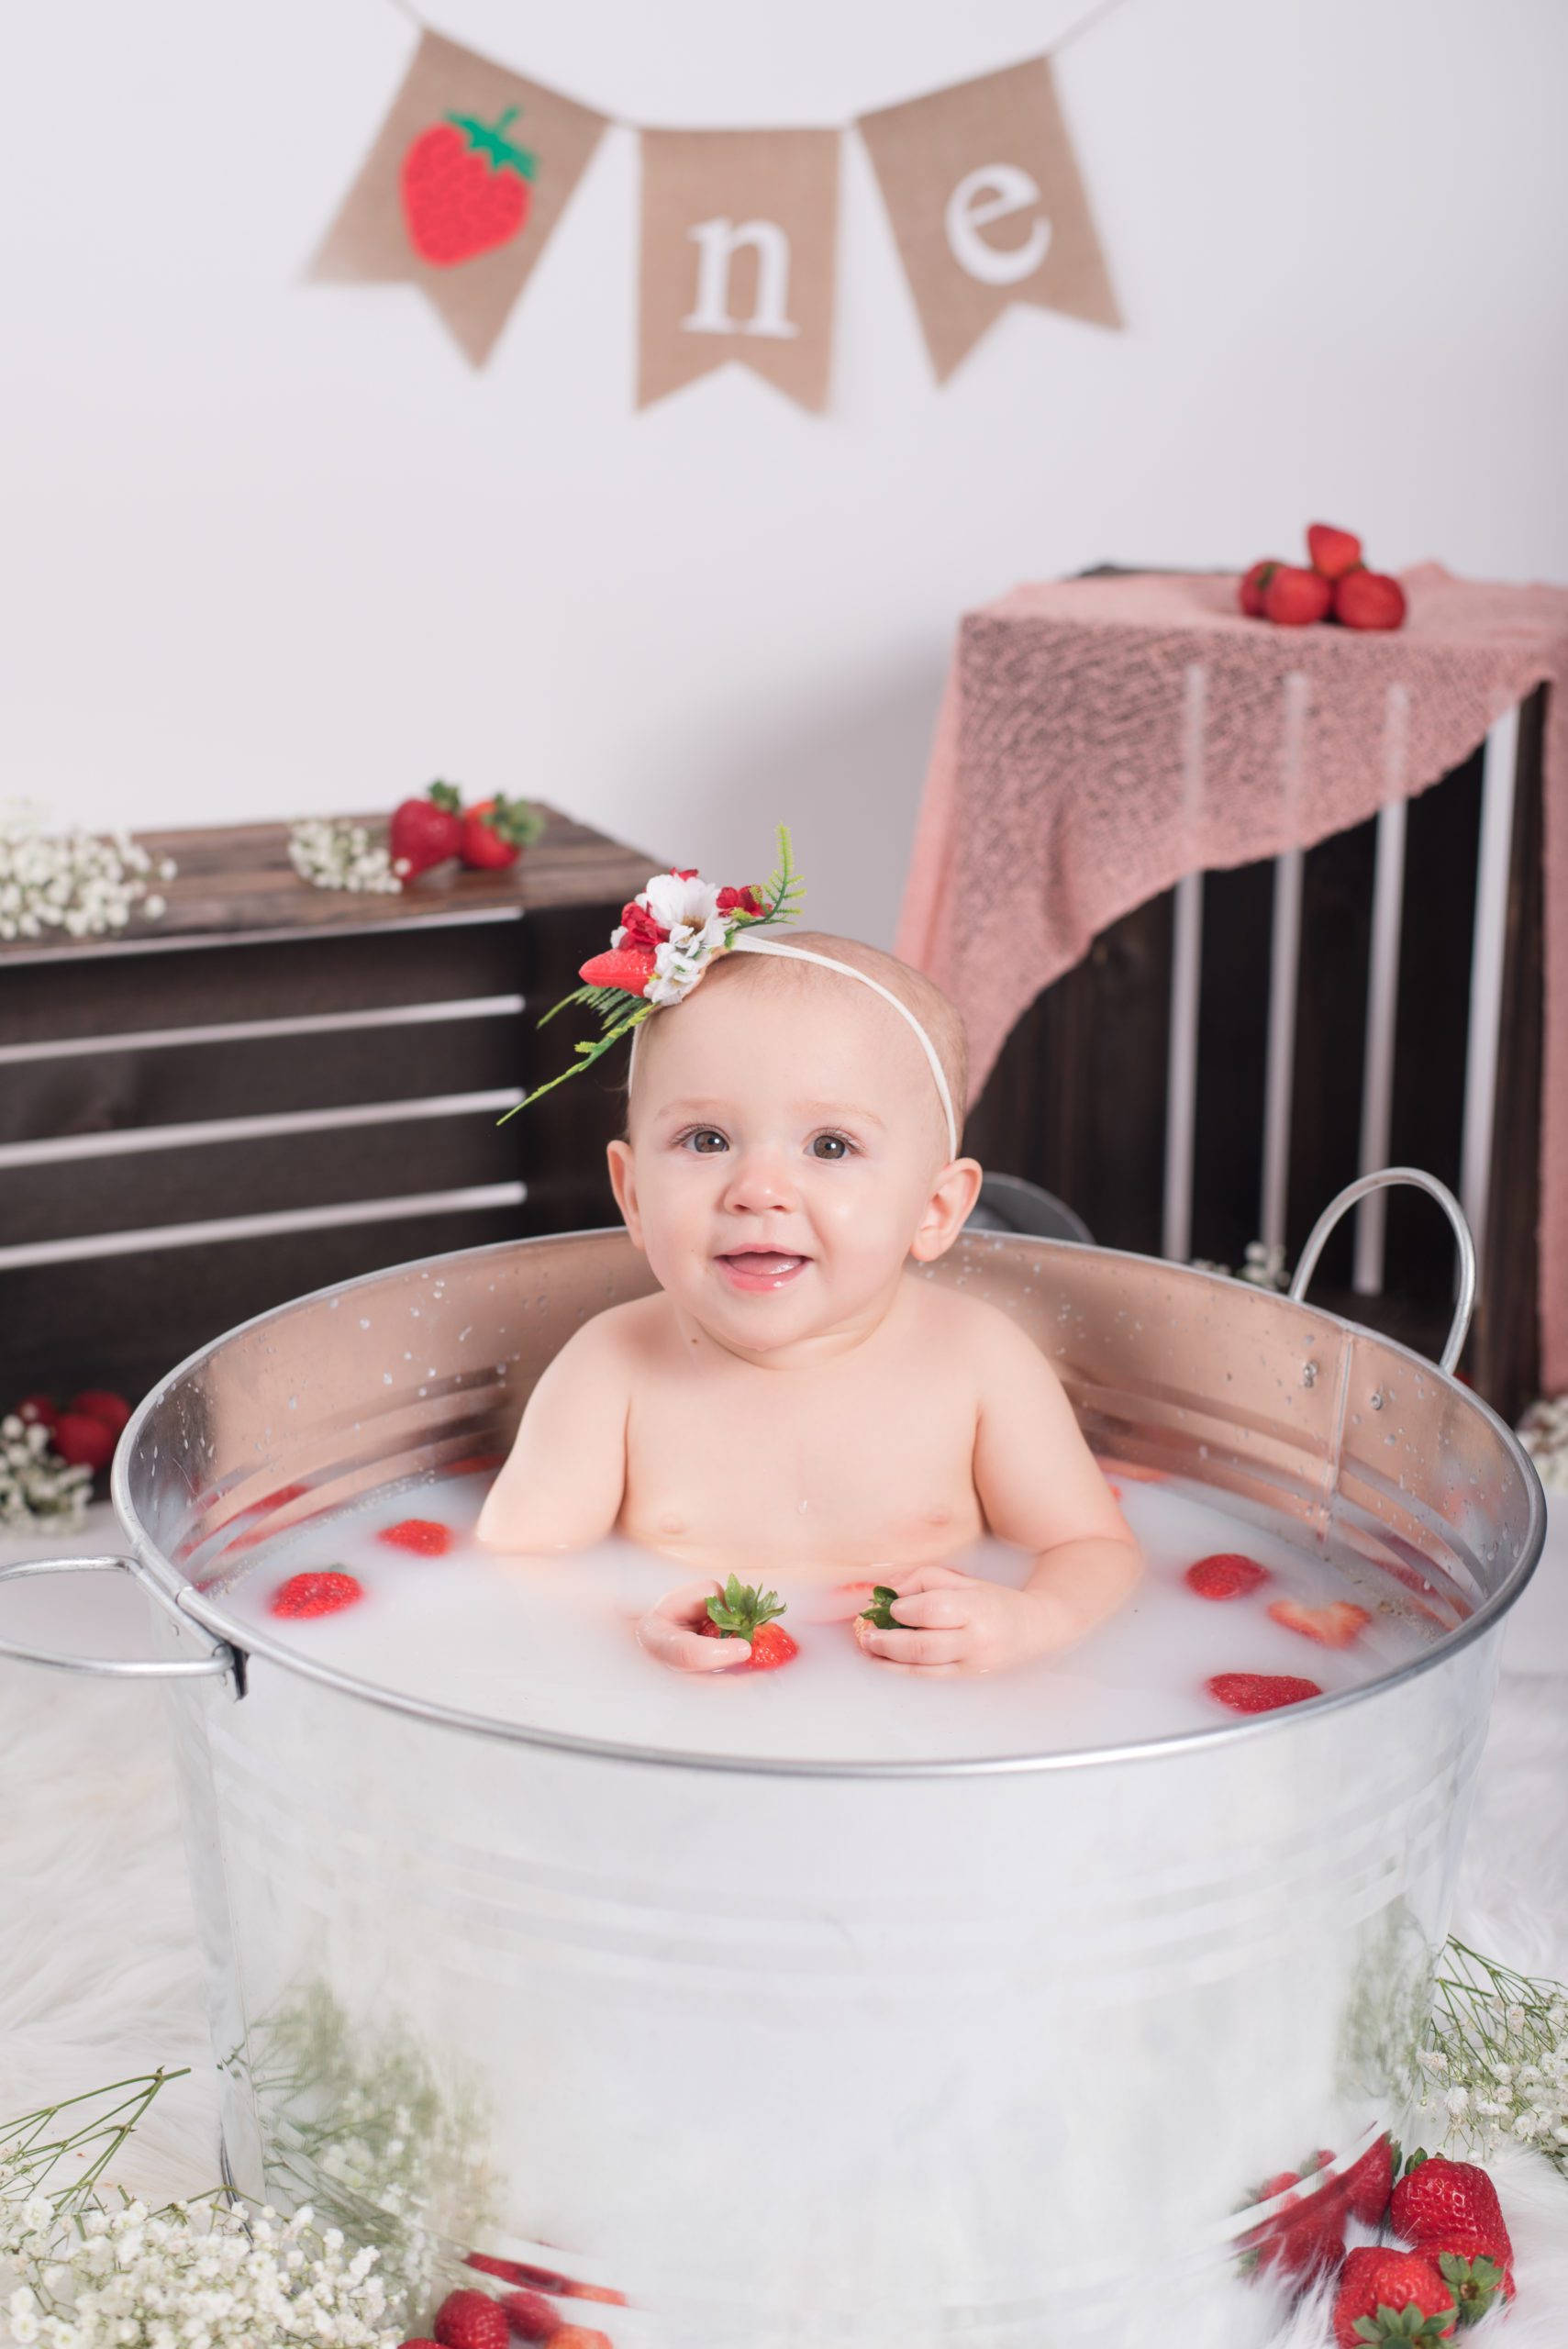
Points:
[38,1410]
[1334,1625]
[465,188]
[426,832]
[425,1536]
[740,1612]
[496,832]
[1260,1692]
[102,1403]
[1371,599]
[1296,598]
[1249,594]
[1385,2295]
[1225,1575]
[472,2321]
[1330,552]
[323,1593]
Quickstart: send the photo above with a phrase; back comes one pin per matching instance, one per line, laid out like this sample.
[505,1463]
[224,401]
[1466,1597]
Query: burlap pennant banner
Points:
[739,236]
[988,208]
[468,174]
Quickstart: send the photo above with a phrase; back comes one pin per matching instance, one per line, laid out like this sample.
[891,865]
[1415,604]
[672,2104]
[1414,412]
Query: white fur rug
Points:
[99,1975]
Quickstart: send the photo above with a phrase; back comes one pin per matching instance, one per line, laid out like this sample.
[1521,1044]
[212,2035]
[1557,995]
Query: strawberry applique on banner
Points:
[466,188]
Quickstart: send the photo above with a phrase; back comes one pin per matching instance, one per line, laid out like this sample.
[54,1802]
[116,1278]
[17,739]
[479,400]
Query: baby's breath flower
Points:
[1498,2059]
[69,881]
[332,853]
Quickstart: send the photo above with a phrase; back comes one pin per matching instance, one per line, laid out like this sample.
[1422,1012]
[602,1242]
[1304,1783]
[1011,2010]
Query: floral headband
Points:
[665,942]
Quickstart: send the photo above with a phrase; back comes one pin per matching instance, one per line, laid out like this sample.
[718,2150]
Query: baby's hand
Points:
[956,1625]
[669,1631]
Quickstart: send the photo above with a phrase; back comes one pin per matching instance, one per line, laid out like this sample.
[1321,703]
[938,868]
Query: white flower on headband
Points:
[681,960]
[680,901]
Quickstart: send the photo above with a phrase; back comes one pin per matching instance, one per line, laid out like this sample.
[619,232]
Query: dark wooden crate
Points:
[1077,1099]
[138,1062]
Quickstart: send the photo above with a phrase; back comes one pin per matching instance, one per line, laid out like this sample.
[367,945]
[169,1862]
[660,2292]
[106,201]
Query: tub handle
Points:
[223,1662]
[1385,1176]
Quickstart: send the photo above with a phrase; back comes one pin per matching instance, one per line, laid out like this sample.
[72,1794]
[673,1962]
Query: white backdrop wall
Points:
[271,547]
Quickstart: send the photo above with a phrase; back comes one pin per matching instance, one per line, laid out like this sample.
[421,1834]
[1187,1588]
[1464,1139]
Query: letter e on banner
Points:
[738,231]
[995,192]
[947,197]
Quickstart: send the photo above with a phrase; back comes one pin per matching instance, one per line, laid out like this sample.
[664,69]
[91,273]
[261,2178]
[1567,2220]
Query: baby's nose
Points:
[758,1178]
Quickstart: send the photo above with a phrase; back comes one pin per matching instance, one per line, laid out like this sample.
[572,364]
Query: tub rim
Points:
[242,1639]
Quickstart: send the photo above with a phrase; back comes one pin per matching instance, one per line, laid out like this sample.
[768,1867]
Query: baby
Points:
[796,1398]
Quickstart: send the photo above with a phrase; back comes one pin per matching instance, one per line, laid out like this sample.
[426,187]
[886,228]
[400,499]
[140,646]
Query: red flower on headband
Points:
[739,901]
[637,927]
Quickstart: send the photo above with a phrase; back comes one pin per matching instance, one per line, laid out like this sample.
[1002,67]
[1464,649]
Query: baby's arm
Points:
[563,1481]
[1041,1489]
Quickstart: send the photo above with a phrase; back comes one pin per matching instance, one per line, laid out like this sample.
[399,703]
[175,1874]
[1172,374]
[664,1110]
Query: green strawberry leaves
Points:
[741,1611]
[1474,2282]
[879,1614]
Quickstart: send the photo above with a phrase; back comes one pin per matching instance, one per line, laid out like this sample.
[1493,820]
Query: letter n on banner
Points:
[738,232]
[983,189]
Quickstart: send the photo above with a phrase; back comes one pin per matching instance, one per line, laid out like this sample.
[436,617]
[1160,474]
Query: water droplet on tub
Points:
[365,1323]
[386,1378]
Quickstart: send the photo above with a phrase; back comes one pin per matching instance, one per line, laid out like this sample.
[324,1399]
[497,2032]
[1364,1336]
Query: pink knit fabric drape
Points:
[1101,738]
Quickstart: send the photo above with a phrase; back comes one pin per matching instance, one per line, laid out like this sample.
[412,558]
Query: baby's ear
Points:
[948,1211]
[623,1183]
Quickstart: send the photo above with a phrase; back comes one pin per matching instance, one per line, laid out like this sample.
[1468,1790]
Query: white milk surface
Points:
[551,1643]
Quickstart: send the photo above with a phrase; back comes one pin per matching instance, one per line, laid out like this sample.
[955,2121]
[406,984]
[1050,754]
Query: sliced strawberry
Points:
[1225,1575]
[424,1535]
[630,968]
[1260,1692]
[1333,1626]
[326,1593]
[1330,552]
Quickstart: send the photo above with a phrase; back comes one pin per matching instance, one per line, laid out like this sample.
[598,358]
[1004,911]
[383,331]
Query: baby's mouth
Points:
[760,1268]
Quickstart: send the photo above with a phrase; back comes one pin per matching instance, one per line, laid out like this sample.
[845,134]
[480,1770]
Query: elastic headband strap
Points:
[747,941]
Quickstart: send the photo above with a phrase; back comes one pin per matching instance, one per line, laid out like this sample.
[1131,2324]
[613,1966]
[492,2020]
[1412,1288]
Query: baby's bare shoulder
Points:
[623,1336]
[982,1333]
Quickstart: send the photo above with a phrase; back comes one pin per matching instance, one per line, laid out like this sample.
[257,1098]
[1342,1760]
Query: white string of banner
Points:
[1075,32]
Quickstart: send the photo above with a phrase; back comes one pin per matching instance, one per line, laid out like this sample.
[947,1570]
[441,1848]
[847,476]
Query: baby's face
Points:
[785,1159]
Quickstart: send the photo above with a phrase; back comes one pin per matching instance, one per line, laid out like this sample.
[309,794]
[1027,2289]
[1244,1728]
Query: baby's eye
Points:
[831,1146]
[705,1140]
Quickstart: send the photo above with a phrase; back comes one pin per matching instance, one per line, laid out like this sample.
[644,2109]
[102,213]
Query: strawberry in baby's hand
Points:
[497,830]
[303,1596]
[742,1613]
[472,2321]
[1260,1692]
[1387,2295]
[1333,1626]
[1296,598]
[426,832]
[424,1535]
[1369,599]
[1332,552]
[1225,1575]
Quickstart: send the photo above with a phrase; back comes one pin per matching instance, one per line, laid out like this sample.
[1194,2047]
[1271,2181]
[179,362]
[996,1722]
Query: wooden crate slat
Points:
[1330,1039]
[261,1175]
[124,1089]
[1233,1027]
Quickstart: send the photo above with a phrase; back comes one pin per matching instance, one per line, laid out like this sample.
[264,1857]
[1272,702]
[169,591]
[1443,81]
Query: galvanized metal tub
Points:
[991,2052]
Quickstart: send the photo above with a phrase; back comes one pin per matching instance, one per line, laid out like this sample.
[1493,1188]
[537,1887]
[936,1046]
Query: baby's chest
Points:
[802,1475]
